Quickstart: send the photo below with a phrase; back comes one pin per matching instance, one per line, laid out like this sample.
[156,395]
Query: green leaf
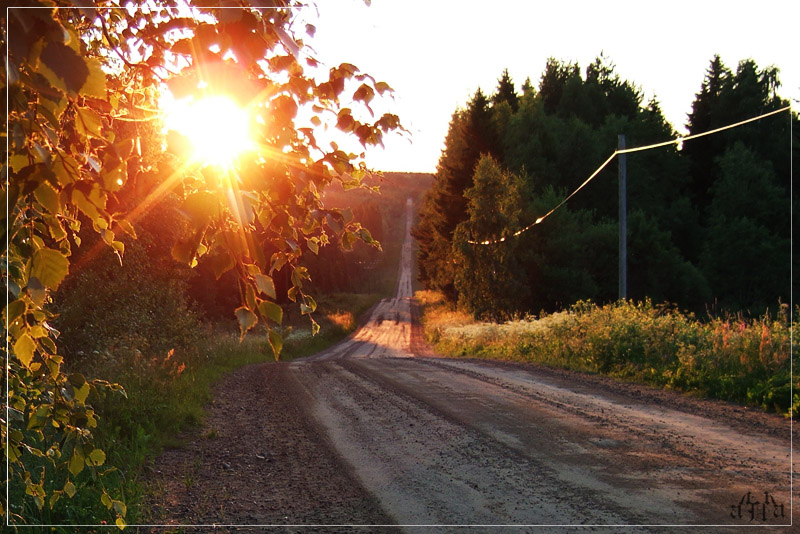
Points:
[309,305]
[276,343]
[49,267]
[66,169]
[120,507]
[95,458]
[347,215]
[183,252]
[30,177]
[247,320]
[24,348]
[54,365]
[271,311]
[266,285]
[63,67]
[56,229]
[348,238]
[69,489]
[76,380]
[334,224]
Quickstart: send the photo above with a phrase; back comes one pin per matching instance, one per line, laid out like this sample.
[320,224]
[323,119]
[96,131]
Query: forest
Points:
[709,222]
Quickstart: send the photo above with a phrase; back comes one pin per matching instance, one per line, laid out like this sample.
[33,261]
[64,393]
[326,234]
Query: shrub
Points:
[730,358]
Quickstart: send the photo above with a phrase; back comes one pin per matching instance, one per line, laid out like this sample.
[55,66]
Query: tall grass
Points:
[730,358]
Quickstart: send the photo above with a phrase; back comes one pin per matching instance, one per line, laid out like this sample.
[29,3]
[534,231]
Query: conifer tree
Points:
[506,92]
[471,133]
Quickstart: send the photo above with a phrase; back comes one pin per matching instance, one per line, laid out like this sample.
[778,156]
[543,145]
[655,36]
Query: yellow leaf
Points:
[56,229]
[17,162]
[88,122]
[76,462]
[49,267]
[24,348]
[120,523]
[69,489]
[88,208]
[275,343]
[81,393]
[66,169]
[95,84]
[96,457]
[127,227]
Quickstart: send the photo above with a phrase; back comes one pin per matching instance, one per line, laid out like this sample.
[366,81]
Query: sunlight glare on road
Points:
[217,128]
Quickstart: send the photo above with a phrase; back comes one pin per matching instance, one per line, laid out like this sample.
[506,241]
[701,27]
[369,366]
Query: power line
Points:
[677,141]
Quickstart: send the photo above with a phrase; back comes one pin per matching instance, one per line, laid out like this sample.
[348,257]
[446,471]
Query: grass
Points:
[337,315]
[730,358]
[167,390]
[167,395]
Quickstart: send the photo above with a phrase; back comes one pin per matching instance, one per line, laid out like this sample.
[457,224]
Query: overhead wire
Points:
[677,141]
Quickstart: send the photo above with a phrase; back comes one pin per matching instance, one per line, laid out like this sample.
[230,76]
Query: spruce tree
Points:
[506,92]
[471,134]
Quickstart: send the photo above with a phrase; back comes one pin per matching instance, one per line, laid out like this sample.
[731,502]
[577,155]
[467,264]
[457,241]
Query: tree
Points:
[553,81]
[470,134]
[505,92]
[726,97]
[739,180]
[747,245]
[488,277]
[82,84]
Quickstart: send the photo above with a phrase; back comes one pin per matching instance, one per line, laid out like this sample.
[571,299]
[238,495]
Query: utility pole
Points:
[623,221]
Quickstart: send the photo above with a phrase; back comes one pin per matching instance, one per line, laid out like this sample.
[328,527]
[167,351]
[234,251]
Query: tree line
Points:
[709,223]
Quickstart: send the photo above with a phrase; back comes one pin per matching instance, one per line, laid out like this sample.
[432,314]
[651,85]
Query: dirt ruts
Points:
[259,460]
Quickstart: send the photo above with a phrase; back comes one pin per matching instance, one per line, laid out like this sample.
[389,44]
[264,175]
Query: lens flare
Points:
[218,129]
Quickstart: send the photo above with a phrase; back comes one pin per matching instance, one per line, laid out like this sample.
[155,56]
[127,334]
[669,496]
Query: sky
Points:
[437,53]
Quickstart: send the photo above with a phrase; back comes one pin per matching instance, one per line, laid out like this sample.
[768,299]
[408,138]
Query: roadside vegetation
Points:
[709,222]
[733,358]
[166,396]
[166,334]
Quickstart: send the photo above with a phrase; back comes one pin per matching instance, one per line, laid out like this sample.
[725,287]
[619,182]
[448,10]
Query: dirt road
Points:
[400,438]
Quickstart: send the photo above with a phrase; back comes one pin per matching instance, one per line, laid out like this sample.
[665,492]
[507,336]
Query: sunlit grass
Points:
[730,358]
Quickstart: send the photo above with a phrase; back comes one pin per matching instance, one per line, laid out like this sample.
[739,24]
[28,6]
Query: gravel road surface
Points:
[375,431]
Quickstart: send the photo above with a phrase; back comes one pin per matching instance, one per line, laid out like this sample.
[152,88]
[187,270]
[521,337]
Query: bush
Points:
[730,358]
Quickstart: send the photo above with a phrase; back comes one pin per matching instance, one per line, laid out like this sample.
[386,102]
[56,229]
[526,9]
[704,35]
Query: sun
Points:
[216,126]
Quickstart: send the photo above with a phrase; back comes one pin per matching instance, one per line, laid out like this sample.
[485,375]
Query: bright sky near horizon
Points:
[437,53]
